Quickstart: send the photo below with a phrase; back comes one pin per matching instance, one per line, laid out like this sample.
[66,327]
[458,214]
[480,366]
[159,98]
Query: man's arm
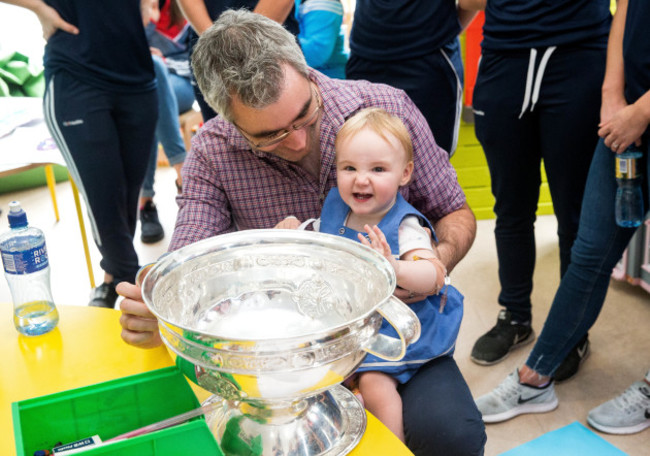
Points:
[435,190]
[456,232]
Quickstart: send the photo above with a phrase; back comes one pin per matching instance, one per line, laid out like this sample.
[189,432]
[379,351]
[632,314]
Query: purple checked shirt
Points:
[228,187]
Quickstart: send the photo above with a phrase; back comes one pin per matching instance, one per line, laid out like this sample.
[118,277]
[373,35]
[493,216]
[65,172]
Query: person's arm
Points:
[48,17]
[278,10]
[319,31]
[472,5]
[196,14]
[412,275]
[434,190]
[203,212]
[456,232]
[203,208]
[613,98]
[620,124]
[467,14]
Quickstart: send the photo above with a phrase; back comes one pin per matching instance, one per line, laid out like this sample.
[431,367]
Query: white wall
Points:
[21,31]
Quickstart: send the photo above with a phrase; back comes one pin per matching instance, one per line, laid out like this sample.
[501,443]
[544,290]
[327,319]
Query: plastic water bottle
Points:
[629,196]
[27,270]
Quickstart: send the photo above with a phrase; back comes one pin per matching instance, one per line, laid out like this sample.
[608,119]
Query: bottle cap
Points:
[17,217]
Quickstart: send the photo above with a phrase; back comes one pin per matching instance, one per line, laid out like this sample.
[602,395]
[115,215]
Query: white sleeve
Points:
[412,236]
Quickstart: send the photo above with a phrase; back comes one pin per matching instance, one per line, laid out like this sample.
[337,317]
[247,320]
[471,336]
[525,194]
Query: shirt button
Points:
[341,230]
[322,197]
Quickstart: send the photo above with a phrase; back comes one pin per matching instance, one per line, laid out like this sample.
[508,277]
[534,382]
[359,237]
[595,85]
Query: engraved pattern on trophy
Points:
[271,322]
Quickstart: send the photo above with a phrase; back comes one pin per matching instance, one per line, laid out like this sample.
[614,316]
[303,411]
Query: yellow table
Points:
[85,349]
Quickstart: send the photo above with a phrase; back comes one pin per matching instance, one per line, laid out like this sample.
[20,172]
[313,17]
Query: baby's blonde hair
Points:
[381,122]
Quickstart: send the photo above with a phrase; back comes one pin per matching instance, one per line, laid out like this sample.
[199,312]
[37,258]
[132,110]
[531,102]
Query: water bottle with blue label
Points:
[24,256]
[629,196]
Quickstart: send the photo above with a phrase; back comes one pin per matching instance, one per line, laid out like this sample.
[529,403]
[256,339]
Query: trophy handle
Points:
[406,323]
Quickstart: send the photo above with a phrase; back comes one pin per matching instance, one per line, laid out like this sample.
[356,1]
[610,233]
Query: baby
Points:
[374,158]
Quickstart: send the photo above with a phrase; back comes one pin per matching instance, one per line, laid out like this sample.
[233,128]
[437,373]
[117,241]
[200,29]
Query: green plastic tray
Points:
[112,408]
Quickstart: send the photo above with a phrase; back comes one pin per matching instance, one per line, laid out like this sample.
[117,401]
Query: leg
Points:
[514,159]
[379,392]
[168,128]
[579,298]
[207,112]
[182,88]
[598,246]
[511,147]
[569,114]
[87,128]
[434,424]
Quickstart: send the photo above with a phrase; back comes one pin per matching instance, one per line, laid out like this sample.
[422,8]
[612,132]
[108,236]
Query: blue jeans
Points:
[599,245]
[175,96]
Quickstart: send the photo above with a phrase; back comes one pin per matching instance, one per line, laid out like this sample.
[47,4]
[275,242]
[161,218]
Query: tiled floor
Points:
[620,339]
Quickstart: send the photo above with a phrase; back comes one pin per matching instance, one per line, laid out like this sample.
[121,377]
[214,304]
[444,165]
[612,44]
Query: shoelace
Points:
[633,399]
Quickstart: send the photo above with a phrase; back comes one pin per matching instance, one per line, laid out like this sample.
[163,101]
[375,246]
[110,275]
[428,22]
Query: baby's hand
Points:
[378,242]
[290,223]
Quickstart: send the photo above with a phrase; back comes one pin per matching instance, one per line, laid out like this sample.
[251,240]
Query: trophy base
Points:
[326,424]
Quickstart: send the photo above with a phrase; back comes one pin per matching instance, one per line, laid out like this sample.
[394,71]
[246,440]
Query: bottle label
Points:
[26,261]
[626,168]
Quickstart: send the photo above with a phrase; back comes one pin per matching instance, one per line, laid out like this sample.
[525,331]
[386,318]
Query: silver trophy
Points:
[272,321]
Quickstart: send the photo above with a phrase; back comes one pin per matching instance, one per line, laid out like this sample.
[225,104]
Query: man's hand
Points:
[139,326]
[290,223]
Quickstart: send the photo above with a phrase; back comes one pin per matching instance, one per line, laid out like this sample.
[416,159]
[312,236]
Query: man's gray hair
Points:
[242,54]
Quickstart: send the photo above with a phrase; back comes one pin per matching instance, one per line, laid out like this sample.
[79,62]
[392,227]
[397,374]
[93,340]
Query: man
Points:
[270,154]
[202,13]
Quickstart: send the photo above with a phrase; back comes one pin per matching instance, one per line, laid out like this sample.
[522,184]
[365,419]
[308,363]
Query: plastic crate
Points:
[112,408]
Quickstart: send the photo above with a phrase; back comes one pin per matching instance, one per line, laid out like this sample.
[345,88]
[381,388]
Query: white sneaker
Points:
[625,414]
[512,398]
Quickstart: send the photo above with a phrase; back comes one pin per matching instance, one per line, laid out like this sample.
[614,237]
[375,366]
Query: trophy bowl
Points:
[271,322]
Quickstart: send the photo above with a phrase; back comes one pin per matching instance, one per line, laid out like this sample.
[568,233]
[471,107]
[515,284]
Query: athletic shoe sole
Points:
[521,343]
[152,239]
[520,410]
[619,430]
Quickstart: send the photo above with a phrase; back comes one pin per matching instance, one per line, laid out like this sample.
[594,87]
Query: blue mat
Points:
[570,440]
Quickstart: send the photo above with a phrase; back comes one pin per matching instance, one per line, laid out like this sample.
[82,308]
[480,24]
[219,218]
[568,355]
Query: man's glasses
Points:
[276,138]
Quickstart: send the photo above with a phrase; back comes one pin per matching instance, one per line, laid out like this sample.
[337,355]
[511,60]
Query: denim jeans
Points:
[172,94]
[598,247]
